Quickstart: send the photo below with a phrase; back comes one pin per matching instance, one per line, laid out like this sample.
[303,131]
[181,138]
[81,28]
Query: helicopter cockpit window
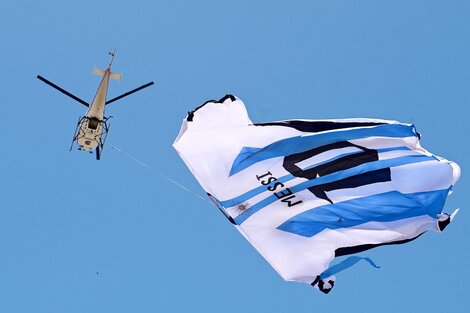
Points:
[93,123]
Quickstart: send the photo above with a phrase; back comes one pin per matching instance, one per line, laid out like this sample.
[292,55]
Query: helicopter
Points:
[92,128]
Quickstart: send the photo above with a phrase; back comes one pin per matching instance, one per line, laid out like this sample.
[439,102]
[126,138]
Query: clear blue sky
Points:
[65,216]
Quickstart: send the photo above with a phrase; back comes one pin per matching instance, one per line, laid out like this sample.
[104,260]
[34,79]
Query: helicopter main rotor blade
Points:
[129,92]
[63,91]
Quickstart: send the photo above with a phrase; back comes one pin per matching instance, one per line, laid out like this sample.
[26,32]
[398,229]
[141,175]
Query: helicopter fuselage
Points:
[90,127]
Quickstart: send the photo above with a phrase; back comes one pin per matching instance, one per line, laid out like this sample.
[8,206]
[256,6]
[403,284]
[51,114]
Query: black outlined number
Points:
[343,163]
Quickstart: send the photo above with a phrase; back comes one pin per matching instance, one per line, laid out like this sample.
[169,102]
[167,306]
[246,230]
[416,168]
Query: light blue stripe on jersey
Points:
[386,207]
[345,264]
[260,189]
[298,144]
[363,168]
